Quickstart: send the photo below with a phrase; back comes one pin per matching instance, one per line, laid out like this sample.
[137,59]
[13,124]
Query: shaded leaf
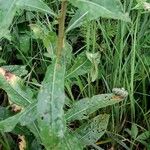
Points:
[80,66]
[144,136]
[134,131]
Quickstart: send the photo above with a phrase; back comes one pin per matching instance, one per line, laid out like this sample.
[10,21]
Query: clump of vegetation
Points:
[74,74]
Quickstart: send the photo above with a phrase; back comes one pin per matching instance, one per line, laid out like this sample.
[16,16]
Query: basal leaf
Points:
[84,107]
[91,131]
[93,9]
[50,105]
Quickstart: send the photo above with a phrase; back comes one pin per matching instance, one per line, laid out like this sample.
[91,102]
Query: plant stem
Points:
[61,30]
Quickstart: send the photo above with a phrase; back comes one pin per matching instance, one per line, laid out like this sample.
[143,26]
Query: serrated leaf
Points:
[93,9]
[50,106]
[94,129]
[84,107]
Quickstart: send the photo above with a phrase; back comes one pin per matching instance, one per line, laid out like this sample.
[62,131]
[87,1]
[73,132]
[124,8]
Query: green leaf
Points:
[78,19]
[13,85]
[84,107]
[50,106]
[71,142]
[93,9]
[8,10]
[94,129]
[143,136]
[25,117]
[4,113]
[143,4]
[18,70]
[9,124]
[34,5]
[7,13]
[134,131]
[95,60]
[24,43]
[80,66]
